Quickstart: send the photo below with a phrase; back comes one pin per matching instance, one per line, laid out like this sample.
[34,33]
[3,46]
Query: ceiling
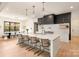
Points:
[18,9]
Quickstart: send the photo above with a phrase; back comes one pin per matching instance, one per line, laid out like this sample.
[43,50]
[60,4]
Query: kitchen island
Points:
[51,37]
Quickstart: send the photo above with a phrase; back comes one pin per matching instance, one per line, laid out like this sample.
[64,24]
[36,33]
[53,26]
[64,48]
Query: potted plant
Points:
[27,30]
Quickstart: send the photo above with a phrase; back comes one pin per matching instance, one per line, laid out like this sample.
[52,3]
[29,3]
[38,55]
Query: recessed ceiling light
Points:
[71,7]
[7,9]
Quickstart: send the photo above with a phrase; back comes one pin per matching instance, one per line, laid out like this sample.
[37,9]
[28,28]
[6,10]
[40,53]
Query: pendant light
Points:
[43,9]
[33,7]
[26,12]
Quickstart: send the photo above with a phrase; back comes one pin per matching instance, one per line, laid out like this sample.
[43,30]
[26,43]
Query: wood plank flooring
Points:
[8,48]
[70,49]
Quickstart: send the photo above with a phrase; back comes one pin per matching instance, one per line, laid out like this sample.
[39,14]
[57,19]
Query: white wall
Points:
[1,27]
[75,23]
[29,24]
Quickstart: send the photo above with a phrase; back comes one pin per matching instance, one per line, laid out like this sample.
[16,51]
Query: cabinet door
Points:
[58,19]
[40,20]
[35,27]
[63,18]
[49,19]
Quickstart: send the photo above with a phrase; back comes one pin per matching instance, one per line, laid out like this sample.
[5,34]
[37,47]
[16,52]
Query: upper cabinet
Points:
[55,19]
[40,20]
[47,19]
[62,18]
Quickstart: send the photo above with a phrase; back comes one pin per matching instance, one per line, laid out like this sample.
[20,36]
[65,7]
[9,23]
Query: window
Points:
[17,26]
[11,26]
[6,26]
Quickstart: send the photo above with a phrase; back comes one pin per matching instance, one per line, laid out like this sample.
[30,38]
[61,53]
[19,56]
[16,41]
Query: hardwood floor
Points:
[70,49]
[8,48]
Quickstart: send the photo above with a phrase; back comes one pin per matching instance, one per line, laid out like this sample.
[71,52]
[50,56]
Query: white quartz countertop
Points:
[45,36]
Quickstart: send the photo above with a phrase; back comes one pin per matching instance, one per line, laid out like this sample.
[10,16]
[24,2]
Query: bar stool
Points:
[38,46]
[34,42]
[29,43]
[44,46]
[20,39]
[26,39]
